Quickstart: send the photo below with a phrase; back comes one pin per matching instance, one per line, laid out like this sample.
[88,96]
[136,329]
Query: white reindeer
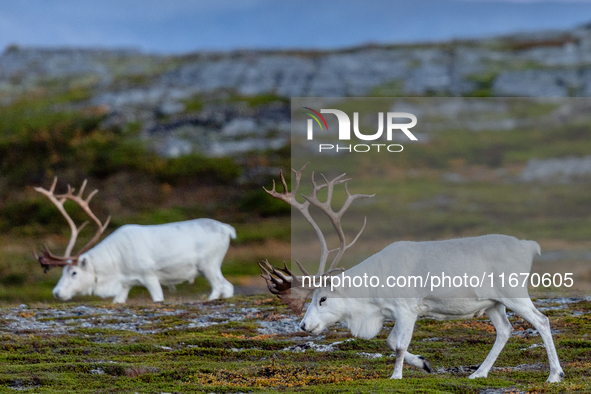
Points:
[135,255]
[365,310]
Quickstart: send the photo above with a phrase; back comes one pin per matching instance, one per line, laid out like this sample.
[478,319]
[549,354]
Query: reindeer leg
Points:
[121,297]
[526,309]
[153,285]
[411,359]
[498,317]
[405,323]
[219,285]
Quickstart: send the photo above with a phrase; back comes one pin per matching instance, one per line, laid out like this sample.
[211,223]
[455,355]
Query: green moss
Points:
[269,229]
[483,82]
[261,202]
[194,104]
[157,216]
[232,356]
[195,166]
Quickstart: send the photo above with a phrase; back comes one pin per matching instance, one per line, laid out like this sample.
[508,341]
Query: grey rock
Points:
[560,170]
[535,83]
[432,73]
[172,147]
[171,107]
[287,325]
[454,177]
[310,345]
[230,148]
[239,126]
[371,356]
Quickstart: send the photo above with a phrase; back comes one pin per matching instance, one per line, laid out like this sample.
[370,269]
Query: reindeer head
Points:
[76,272]
[329,305]
[281,281]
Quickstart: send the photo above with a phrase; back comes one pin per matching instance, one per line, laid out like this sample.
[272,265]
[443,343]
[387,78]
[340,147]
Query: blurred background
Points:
[181,109]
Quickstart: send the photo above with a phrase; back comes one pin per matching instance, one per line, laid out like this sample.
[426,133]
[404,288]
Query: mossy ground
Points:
[219,347]
[175,347]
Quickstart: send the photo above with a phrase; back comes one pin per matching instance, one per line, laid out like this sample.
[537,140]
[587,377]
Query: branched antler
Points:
[281,281]
[335,217]
[48,259]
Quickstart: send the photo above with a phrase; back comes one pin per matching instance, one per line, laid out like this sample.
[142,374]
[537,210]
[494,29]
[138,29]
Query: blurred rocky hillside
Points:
[224,104]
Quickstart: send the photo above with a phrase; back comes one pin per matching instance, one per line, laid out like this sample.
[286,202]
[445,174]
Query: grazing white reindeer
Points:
[137,255]
[364,311]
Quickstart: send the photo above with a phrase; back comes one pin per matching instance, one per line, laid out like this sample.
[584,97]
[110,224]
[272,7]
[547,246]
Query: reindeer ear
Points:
[82,264]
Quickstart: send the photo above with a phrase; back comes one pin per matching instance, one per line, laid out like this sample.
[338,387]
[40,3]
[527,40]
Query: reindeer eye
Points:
[74,273]
[322,300]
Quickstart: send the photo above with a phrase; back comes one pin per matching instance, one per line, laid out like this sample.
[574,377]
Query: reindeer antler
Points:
[48,259]
[281,281]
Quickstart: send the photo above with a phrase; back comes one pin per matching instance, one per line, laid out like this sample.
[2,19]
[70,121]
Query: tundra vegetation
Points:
[190,345]
[229,347]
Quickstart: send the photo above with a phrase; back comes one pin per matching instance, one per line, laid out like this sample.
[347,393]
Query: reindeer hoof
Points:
[477,375]
[426,365]
[555,378]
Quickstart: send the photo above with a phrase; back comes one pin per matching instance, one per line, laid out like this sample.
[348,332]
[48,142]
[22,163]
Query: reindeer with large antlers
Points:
[137,255]
[364,309]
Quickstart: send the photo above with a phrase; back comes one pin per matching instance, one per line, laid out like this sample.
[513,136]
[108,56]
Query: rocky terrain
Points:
[252,344]
[193,102]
